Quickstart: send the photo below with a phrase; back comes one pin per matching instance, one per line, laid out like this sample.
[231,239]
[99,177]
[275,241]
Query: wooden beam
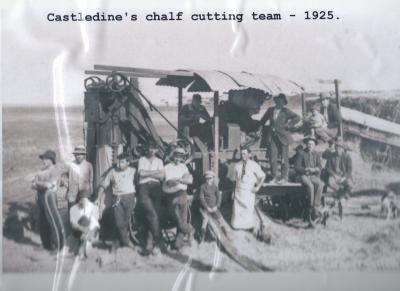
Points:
[146,71]
[321,81]
[216,136]
[340,126]
[303,105]
[128,74]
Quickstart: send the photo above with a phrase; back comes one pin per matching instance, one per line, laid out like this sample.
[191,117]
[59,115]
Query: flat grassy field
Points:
[362,241]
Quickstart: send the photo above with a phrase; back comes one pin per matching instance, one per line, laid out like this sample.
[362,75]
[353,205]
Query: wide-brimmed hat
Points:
[209,174]
[49,155]
[79,150]
[310,137]
[324,96]
[281,96]
[339,142]
[179,151]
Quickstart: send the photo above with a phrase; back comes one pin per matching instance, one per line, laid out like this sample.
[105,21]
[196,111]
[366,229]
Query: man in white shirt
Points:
[249,178]
[151,173]
[80,177]
[122,181]
[177,179]
[84,219]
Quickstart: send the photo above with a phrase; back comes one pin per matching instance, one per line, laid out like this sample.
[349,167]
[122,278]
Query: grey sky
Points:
[43,62]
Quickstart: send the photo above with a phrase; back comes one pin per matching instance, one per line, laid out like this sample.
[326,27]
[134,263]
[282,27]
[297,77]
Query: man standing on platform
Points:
[277,136]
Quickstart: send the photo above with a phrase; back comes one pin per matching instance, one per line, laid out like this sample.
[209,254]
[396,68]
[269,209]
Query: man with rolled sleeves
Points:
[122,181]
[177,179]
[151,173]
[308,166]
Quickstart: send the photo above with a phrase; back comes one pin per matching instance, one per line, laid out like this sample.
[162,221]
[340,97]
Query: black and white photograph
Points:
[226,137]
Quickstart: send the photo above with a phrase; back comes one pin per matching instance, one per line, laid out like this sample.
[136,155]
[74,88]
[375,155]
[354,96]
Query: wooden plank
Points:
[224,242]
[324,81]
[340,125]
[146,71]
[216,136]
[370,133]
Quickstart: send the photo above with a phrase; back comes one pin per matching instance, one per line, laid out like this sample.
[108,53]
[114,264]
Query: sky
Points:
[42,62]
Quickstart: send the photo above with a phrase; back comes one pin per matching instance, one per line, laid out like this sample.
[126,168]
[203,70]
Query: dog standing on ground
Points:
[389,205]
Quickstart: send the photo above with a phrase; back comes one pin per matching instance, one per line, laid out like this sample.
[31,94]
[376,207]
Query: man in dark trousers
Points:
[52,232]
[308,167]
[151,173]
[339,169]
[195,117]
[122,181]
[331,114]
[277,136]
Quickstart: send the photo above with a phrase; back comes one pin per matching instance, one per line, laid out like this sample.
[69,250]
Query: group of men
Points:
[274,128]
[142,187]
[153,182]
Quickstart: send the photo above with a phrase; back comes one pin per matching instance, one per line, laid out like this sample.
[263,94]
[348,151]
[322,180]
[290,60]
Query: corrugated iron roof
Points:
[209,81]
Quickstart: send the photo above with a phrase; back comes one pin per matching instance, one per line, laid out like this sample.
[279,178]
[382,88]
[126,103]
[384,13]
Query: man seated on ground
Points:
[339,169]
[151,173]
[177,179]
[308,166]
[122,181]
[317,125]
[196,118]
[210,199]
[84,219]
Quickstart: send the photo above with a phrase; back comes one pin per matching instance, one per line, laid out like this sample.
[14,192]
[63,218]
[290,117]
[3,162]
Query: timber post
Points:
[303,105]
[340,126]
[216,136]
[180,98]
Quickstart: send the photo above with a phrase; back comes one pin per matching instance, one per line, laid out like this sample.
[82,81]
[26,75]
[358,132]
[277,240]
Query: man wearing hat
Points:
[339,168]
[308,167]
[177,179]
[277,136]
[84,219]
[331,113]
[46,184]
[151,173]
[80,177]
[317,124]
[122,181]
[210,200]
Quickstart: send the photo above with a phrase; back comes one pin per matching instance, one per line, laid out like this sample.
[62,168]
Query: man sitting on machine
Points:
[195,117]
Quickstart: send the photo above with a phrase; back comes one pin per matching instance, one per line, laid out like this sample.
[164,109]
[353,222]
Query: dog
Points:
[389,205]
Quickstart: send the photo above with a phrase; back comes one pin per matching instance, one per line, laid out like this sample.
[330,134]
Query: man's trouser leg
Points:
[285,161]
[149,199]
[53,217]
[310,189]
[318,187]
[44,224]
[179,206]
[273,157]
[122,214]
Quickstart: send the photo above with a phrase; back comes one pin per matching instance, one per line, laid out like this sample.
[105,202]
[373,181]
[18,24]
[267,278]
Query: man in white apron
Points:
[249,178]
